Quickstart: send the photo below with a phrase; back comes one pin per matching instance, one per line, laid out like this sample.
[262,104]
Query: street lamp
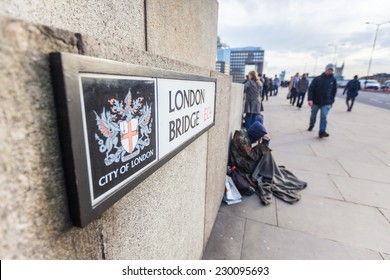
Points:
[315,64]
[335,51]
[373,45]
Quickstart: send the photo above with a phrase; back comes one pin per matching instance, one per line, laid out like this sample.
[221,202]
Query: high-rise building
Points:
[338,73]
[242,60]
[223,67]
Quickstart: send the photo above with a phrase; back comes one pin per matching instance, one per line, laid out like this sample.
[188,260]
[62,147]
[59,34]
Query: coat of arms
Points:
[125,127]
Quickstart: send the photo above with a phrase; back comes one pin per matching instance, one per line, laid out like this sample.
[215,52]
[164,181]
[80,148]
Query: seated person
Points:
[258,134]
[253,160]
[248,145]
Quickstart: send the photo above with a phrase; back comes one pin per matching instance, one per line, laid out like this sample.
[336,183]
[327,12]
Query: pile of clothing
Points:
[253,168]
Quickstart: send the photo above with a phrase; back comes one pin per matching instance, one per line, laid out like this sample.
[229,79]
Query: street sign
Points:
[118,123]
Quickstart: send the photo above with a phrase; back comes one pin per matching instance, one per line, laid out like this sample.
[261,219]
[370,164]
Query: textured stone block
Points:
[217,152]
[185,32]
[119,22]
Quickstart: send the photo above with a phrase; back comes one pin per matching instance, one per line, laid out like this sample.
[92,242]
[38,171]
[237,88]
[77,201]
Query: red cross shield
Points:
[129,134]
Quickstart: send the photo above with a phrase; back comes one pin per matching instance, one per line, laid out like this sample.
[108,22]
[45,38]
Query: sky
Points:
[305,35]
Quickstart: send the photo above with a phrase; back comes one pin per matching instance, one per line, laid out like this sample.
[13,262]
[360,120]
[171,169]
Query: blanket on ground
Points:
[269,178]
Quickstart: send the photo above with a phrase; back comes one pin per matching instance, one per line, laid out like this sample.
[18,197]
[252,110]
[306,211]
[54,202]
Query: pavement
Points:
[343,214]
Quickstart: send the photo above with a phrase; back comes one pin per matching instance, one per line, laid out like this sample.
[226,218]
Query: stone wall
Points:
[167,216]
[236,107]
[111,21]
[183,32]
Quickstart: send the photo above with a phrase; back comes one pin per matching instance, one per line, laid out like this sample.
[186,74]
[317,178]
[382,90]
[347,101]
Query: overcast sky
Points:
[296,34]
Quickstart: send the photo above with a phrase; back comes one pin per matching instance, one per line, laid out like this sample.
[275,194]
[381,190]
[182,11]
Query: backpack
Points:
[354,86]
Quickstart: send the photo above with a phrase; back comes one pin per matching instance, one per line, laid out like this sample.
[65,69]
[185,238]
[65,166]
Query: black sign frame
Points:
[67,70]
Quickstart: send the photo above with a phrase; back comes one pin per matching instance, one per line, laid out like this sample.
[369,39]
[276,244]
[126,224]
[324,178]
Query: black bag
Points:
[243,184]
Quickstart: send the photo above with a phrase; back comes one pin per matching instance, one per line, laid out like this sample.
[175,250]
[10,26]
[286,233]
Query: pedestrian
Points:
[276,84]
[289,86]
[270,86]
[246,79]
[253,104]
[252,158]
[293,86]
[265,88]
[303,86]
[352,88]
[322,92]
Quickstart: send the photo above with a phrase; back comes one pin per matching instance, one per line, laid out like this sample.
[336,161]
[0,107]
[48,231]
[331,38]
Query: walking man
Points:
[352,88]
[293,86]
[276,84]
[322,92]
[303,85]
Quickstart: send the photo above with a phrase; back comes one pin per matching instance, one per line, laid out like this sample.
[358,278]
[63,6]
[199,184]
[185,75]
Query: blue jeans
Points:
[250,119]
[301,98]
[324,112]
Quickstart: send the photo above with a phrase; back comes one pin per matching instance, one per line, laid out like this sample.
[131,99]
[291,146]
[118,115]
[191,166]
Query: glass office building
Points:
[242,60]
[223,67]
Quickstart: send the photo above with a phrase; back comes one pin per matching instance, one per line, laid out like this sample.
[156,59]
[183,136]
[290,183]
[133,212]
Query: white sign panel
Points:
[185,108]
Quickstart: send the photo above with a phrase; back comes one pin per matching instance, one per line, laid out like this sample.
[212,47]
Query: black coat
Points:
[352,88]
[322,90]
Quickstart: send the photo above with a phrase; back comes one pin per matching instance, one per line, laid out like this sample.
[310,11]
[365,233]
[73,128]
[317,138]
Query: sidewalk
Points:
[344,213]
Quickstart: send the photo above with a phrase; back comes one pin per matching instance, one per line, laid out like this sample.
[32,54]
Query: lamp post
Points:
[315,65]
[373,45]
[335,51]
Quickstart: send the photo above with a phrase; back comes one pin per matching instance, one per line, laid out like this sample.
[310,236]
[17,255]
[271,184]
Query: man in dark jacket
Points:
[352,89]
[303,85]
[322,92]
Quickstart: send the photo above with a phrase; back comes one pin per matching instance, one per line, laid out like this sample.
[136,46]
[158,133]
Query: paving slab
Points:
[303,149]
[386,213]
[385,256]
[266,242]
[336,137]
[345,222]
[352,151]
[319,184]
[281,127]
[251,208]
[308,163]
[225,241]
[382,144]
[363,191]
[287,139]
[363,129]
[358,169]
[384,157]
[374,129]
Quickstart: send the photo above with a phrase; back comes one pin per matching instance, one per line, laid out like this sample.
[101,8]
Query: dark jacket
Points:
[303,85]
[252,97]
[322,90]
[243,155]
[352,88]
